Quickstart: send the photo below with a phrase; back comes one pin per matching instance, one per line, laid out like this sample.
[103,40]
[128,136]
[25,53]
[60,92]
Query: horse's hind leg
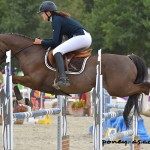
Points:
[129,89]
[140,88]
[134,91]
[144,87]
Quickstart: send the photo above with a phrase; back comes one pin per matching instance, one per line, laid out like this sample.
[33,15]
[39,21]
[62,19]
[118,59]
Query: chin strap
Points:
[48,16]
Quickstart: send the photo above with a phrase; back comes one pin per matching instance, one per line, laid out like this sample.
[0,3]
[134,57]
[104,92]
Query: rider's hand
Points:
[37,41]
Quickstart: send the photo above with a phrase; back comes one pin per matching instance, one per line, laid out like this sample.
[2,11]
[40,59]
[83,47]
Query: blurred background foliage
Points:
[116,26]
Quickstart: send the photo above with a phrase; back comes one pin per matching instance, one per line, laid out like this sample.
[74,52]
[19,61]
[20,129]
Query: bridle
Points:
[15,54]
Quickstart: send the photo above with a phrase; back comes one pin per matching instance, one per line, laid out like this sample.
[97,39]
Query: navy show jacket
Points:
[62,26]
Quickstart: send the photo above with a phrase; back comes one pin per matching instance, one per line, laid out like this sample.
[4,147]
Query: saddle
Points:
[72,60]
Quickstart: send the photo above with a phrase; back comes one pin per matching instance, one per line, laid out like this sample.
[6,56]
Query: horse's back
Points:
[120,64]
[113,66]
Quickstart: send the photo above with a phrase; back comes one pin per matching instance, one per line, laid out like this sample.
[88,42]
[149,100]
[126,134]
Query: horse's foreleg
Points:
[23,80]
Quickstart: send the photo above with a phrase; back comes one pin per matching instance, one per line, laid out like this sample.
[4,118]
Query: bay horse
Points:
[122,75]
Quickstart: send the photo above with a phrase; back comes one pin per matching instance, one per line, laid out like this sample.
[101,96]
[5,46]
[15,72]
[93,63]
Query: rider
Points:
[62,24]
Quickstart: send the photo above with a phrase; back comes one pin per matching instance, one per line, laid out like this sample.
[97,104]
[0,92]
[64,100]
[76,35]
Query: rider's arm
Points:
[57,37]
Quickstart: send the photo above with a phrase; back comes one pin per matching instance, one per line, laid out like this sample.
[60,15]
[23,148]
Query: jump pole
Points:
[42,112]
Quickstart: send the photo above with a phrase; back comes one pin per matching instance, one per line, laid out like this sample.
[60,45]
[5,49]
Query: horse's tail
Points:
[142,74]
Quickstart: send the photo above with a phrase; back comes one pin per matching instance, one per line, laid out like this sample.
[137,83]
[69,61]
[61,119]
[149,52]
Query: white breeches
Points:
[75,43]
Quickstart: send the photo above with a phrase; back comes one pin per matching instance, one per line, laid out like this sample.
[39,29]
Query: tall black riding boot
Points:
[63,80]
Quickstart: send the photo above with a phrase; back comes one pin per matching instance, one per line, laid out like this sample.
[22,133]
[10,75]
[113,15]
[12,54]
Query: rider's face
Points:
[44,16]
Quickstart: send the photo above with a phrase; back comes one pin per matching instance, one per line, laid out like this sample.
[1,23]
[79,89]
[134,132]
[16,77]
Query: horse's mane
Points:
[20,35]
[26,37]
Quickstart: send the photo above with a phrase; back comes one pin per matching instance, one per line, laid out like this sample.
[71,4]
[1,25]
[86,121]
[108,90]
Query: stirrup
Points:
[55,85]
[63,81]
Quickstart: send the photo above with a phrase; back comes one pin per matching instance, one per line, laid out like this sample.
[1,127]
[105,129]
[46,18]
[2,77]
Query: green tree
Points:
[121,27]
[18,16]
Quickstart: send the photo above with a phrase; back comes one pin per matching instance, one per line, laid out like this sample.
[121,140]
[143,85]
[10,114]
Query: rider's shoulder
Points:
[56,19]
[59,18]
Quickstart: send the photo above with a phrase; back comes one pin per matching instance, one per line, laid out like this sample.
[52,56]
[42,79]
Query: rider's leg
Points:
[63,80]
[75,43]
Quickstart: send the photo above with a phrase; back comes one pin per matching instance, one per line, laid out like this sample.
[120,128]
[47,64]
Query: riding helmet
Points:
[47,6]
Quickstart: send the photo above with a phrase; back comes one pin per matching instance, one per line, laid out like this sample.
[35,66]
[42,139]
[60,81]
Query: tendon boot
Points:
[63,79]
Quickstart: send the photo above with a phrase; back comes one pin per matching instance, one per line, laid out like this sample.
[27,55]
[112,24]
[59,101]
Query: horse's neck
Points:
[22,48]
[15,42]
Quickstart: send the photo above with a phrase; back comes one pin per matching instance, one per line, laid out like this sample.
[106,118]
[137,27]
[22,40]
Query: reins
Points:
[20,50]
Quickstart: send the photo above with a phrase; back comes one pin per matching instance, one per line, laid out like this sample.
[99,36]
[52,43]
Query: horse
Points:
[122,75]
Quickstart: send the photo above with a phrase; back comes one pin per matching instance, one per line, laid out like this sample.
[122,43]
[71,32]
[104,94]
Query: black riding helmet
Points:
[47,6]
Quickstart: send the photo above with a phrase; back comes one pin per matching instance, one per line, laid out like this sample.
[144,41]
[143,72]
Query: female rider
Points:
[62,24]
